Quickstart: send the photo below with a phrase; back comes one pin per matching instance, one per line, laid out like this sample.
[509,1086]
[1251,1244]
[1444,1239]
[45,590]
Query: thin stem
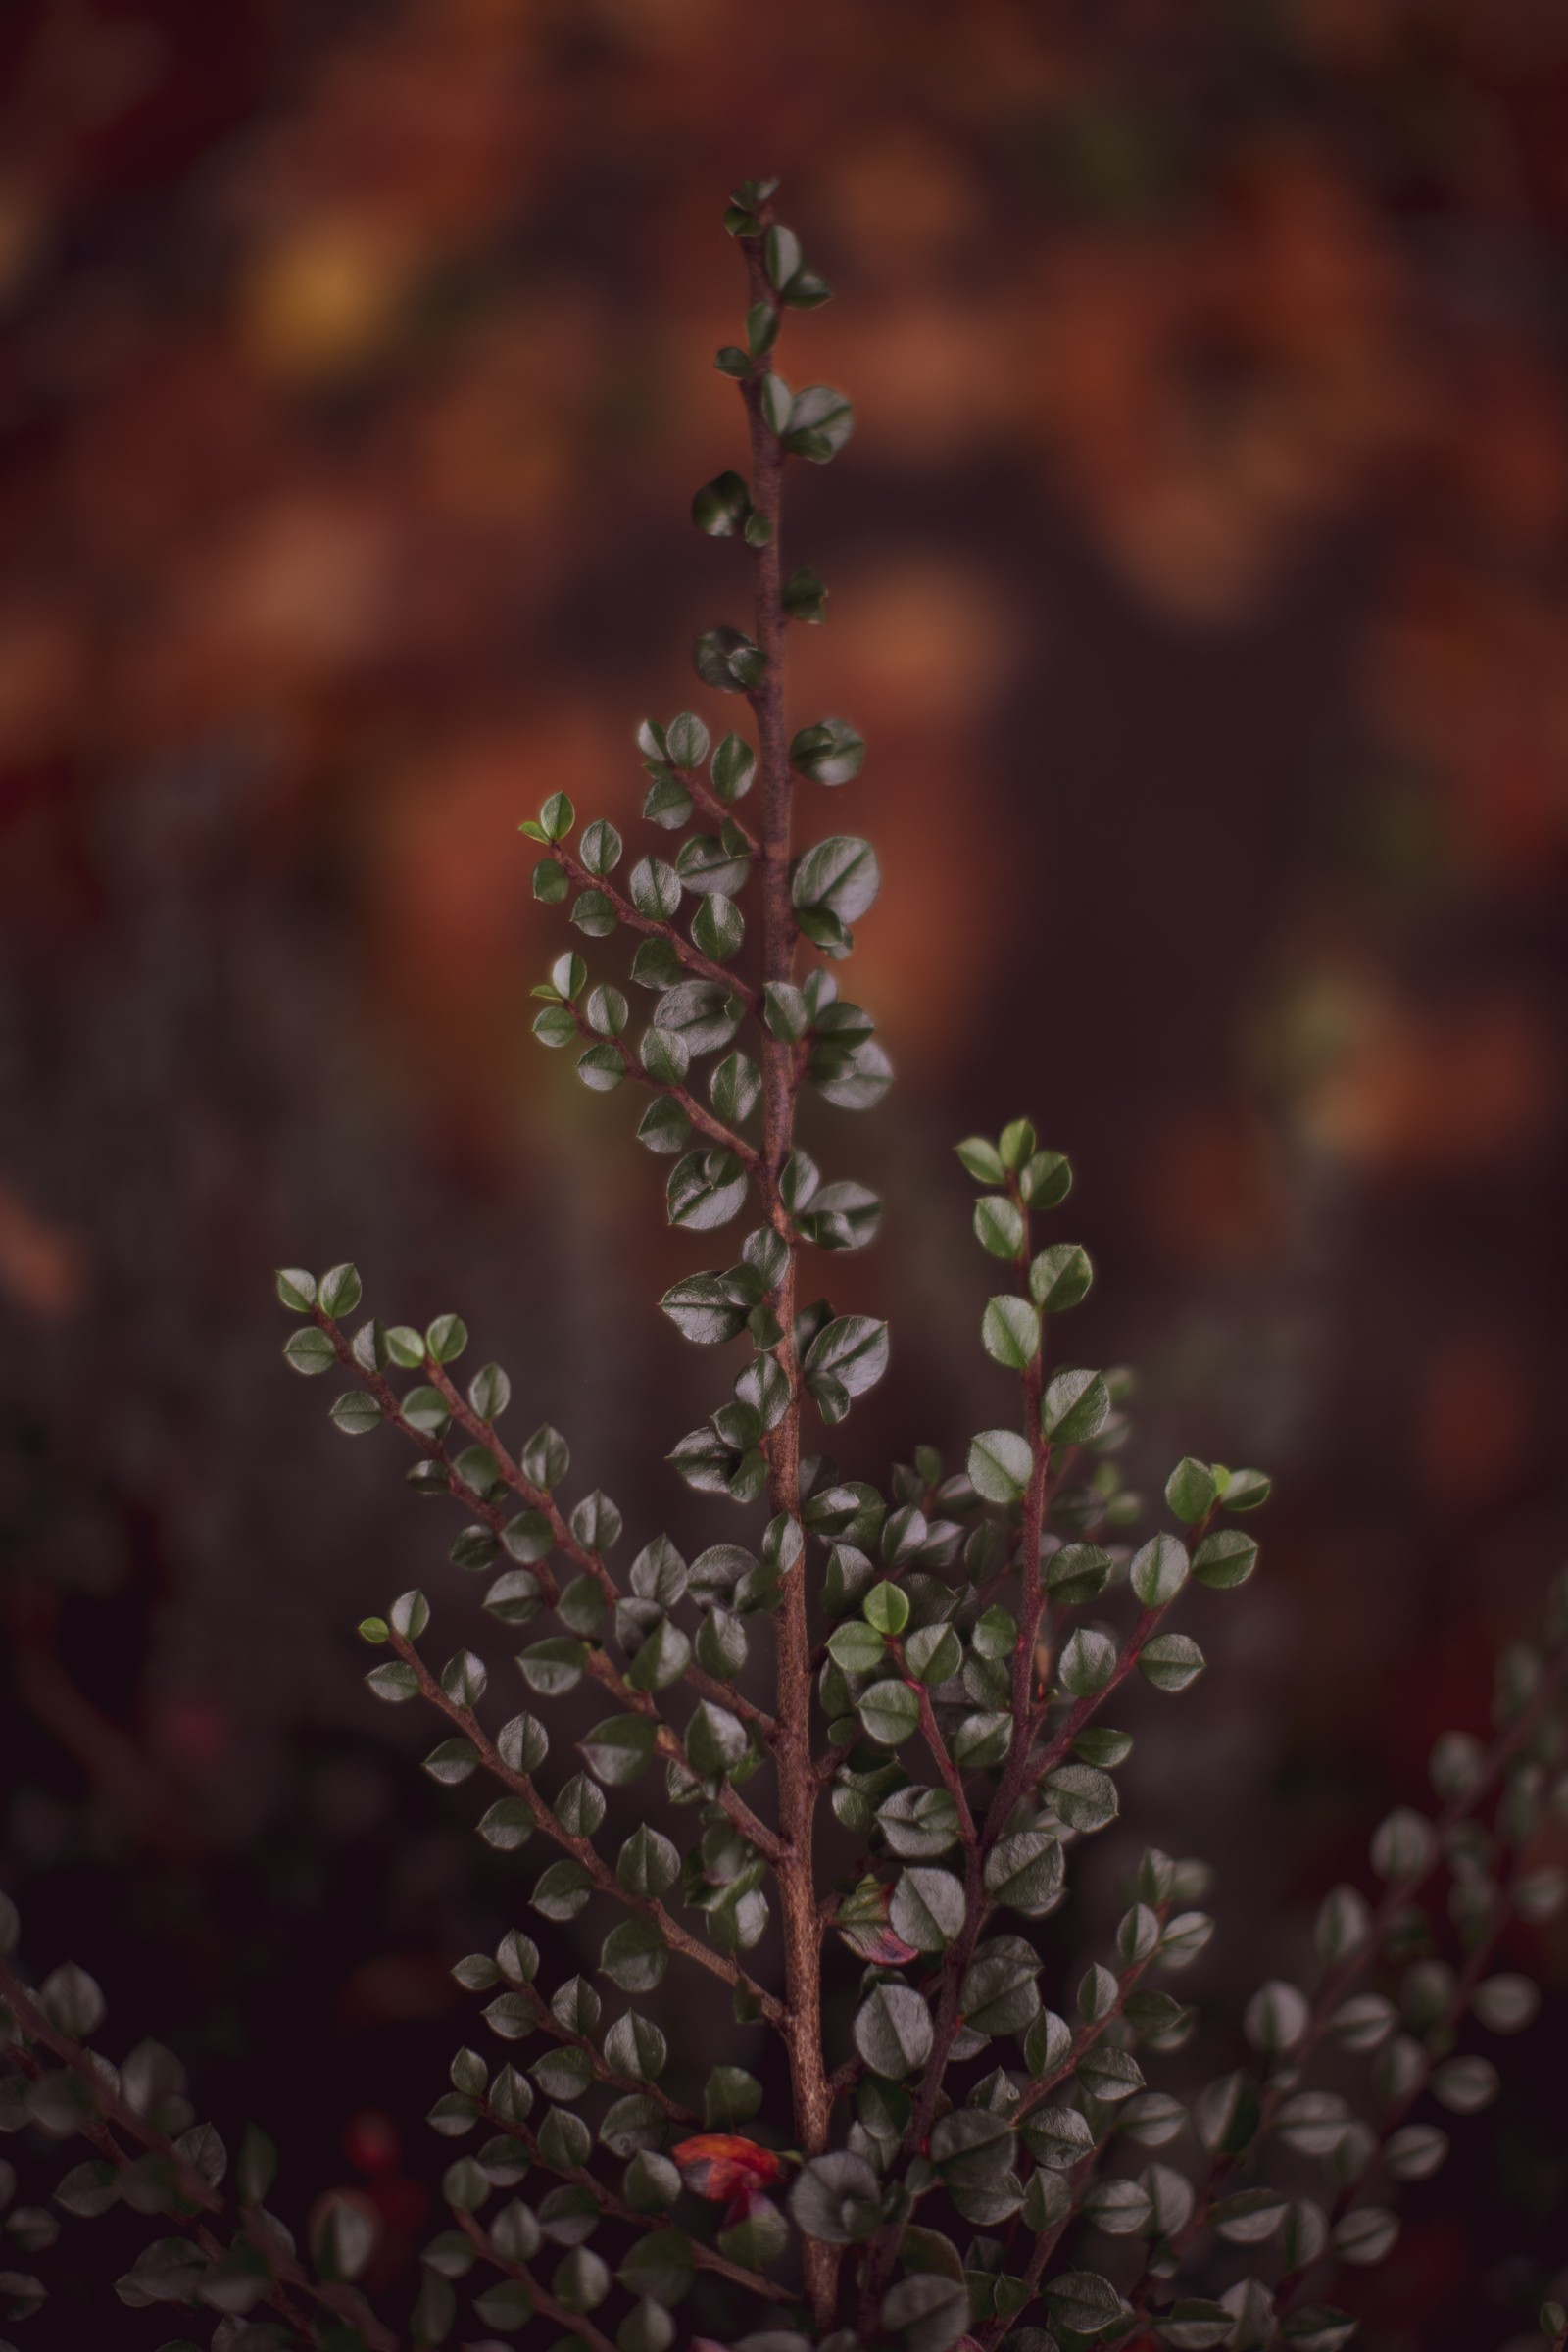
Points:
[111,2108]
[577,2323]
[636,2086]
[652,925]
[1356,2193]
[781,1077]
[707,2258]
[583,1849]
[953,1778]
[1340,1979]
[691,1110]
[600,1665]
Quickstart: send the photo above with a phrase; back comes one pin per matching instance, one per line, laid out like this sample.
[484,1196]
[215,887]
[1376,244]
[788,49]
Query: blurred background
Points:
[1200,580]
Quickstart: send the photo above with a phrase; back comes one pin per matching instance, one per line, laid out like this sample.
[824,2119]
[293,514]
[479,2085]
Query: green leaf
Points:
[781,257]
[1082,1796]
[997,1992]
[1025,1871]
[1076,1573]
[1190,1489]
[917,1823]
[734,766]
[706,1190]
[971,2148]
[1159,1571]
[720,507]
[601,1068]
[1046,1180]
[648,1864]
[634,1955]
[804,597]
[927,1909]
[410,1614]
[1099,1744]
[890,1712]
[841,876]
[886,1607]
[836,2198]
[659,2268]
[715,1740]
[830,753]
[718,927]
[607,1011]
[446,1338]
[1075,1407]
[634,2045]
[1059,1277]
[857,1648]
[490,1393]
[394,1681]
[821,422]
[662,1657]
[1009,1332]
[933,1654]
[309,1351]
[728,660]
[554,1026]
[982,1160]
[730,2096]
[1087,1661]
[1170,1661]
[848,1356]
[1245,1490]
[355,1412]
[454,1761]
[553,1666]
[71,2002]
[1191,2325]
[546,1458]
[928,2311]
[1016,1145]
[893,2031]
[1000,1225]
[89,2189]
[1000,1462]
[619,1749]
[655,889]
[340,1292]
[296,1289]
[1225,1558]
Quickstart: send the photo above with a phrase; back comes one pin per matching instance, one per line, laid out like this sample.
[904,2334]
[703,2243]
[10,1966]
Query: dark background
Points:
[1199,581]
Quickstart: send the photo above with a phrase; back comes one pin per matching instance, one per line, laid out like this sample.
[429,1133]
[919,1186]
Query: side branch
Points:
[581,1849]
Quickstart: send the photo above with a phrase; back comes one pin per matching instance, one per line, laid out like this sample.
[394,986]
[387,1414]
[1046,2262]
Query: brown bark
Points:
[796,1781]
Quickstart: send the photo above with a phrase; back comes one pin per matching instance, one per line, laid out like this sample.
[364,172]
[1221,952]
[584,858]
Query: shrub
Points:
[926,1665]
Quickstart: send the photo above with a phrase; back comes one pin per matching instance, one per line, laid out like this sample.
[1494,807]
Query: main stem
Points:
[797,1782]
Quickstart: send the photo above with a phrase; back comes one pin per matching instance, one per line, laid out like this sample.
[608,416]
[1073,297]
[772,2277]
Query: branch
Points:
[581,1849]
[1340,1979]
[600,1665]
[707,2258]
[591,1562]
[636,2085]
[782,1069]
[651,925]
[703,1120]
[111,2108]
[577,2325]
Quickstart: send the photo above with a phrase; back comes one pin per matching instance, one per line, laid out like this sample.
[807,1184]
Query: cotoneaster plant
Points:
[854,1750]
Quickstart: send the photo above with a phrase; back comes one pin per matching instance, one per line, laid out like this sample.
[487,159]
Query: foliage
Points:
[975,2157]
